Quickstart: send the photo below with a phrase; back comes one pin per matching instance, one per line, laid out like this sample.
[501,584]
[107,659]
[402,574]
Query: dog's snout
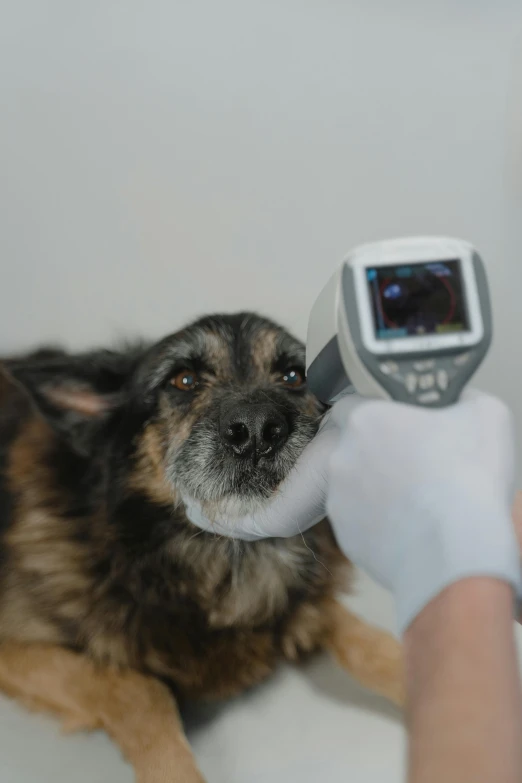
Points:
[254,430]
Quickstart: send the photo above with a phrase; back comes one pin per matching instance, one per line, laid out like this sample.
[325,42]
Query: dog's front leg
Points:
[137,711]
[372,656]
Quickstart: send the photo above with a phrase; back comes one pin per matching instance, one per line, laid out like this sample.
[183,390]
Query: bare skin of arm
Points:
[465,705]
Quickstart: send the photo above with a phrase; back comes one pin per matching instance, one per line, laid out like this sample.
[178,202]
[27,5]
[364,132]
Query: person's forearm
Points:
[465,707]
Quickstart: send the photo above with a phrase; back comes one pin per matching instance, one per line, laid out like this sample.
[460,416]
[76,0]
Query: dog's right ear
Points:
[75,394]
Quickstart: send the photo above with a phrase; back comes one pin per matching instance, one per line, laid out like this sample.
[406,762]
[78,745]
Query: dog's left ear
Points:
[75,394]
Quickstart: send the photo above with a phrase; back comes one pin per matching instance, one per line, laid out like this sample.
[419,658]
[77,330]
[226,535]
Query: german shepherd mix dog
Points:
[113,606]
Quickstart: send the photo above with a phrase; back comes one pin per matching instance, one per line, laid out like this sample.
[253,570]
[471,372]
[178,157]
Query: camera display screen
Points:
[411,300]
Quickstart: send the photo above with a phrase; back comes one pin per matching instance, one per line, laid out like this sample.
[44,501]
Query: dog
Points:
[113,605]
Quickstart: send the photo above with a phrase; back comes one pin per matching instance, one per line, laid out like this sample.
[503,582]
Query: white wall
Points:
[160,159]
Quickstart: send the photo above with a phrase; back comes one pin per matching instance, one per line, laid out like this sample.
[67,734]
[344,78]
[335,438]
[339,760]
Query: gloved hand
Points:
[422,498]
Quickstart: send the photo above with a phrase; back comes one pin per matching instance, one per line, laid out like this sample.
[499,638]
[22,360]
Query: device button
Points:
[428,397]
[426,381]
[427,364]
[411,382]
[461,359]
[389,368]
[442,380]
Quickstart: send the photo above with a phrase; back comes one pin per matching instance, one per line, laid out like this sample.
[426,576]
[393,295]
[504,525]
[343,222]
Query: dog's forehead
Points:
[229,345]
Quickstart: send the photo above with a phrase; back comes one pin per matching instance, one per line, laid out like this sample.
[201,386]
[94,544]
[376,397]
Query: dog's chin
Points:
[204,474]
[231,508]
[224,488]
[233,502]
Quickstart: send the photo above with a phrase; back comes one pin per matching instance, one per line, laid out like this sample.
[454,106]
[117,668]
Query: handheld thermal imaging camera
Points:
[407,319]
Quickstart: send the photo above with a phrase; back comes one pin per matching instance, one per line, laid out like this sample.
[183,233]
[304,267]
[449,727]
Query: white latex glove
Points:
[422,498]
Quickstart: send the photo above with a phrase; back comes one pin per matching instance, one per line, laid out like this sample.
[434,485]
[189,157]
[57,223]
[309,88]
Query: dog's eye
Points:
[185,380]
[293,378]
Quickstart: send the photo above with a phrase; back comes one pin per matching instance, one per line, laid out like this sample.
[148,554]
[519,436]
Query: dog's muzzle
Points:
[253,430]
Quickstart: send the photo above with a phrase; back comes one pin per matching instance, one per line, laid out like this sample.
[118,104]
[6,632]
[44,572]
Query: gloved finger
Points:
[343,409]
[301,499]
[470,394]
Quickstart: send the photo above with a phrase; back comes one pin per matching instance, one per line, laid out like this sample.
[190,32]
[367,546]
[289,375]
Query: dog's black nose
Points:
[254,430]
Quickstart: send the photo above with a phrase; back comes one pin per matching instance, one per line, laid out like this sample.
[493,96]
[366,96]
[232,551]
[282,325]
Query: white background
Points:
[160,159]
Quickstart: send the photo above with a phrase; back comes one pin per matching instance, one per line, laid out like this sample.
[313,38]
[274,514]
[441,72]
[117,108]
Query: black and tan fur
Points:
[107,588]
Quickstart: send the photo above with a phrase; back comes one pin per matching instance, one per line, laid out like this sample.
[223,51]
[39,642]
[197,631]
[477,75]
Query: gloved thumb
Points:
[342,410]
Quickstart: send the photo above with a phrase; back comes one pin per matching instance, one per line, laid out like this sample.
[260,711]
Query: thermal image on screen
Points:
[417,299]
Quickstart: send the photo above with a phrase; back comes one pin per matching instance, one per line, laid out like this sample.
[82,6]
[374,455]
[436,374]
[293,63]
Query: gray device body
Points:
[340,358]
